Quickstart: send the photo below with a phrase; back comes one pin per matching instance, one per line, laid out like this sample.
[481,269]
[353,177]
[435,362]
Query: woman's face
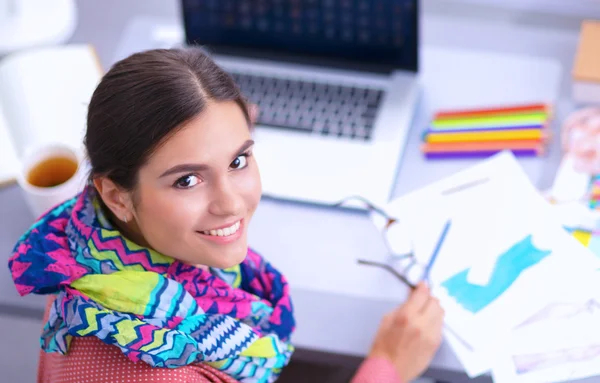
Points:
[197,193]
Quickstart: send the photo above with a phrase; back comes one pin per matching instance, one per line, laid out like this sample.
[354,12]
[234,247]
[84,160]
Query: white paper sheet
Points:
[499,263]
[475,363]
[560,344]
[541,337]
[577,215]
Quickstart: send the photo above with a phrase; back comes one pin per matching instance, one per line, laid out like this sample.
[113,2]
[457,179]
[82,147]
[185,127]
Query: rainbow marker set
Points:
[595,192]
[478,133]
[591,238]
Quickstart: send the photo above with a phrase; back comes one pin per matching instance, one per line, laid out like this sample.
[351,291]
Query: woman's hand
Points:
[410,335]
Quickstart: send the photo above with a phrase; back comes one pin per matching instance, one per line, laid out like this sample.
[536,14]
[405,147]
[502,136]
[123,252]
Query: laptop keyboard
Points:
[312,107]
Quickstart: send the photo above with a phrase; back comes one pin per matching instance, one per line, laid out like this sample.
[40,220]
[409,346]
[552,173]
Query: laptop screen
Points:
[368,33]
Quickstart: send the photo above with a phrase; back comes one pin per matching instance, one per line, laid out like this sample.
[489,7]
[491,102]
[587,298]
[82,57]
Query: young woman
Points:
[149,268]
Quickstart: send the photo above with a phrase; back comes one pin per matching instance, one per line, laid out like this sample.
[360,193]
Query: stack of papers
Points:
[518,289]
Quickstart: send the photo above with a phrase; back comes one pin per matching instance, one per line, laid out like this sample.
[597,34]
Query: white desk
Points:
[338,304]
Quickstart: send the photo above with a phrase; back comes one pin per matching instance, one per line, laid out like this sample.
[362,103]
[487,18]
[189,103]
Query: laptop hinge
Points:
[315,61]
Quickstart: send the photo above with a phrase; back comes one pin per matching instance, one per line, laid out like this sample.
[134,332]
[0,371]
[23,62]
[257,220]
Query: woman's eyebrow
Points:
[244,147]
[193,168]
[184,168]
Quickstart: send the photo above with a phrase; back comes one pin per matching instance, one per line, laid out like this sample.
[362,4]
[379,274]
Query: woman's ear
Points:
[253,113]
[115,198]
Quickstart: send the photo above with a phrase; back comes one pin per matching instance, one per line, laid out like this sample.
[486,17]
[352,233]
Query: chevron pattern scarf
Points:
[155,309]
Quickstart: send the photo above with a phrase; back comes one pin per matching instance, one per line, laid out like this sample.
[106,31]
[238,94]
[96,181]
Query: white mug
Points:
[39,198]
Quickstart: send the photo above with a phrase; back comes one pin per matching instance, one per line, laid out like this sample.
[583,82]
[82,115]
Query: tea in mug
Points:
[52,172]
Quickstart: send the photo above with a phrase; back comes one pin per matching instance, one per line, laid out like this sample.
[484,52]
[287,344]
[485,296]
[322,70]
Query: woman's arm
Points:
[406,341]
[376,370]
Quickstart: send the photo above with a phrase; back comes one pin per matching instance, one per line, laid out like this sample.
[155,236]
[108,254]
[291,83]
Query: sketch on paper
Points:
[562,311]
[525,363]
[507,269]
[534,362]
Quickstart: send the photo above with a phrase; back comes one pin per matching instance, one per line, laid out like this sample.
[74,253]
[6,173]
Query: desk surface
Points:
[338,307]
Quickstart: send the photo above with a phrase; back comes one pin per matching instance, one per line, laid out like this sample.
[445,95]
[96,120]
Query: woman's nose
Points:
[227,200]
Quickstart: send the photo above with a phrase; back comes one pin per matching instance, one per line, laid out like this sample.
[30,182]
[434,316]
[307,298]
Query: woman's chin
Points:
[226,261]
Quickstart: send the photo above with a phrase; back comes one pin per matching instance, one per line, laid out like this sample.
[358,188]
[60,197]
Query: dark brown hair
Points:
[144,99]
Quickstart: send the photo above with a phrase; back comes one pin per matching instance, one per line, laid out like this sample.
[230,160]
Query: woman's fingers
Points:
[417,300]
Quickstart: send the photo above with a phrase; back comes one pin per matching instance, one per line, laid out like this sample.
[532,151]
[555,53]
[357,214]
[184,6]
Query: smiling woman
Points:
[152,256]
[148,268]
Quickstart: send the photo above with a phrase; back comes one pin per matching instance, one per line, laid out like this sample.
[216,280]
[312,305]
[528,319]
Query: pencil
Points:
[483,128]
[500,135]
[475,146]
[547,114]
[509,120]
[482,154]
[436,250]
[525,108]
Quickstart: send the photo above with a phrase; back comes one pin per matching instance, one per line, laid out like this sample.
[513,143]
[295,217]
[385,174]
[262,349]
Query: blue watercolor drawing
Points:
[509,266]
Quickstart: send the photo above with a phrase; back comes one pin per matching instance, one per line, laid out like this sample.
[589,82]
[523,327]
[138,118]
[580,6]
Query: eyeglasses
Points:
[413,272]
[400,246]
[398,242]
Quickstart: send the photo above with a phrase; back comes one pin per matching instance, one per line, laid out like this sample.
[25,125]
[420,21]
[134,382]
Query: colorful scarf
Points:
[154,308]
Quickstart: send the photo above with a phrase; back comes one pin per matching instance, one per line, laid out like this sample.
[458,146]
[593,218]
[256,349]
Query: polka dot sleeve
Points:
[89,360]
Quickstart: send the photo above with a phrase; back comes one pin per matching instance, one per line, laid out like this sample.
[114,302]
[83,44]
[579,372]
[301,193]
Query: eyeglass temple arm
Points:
[370,206]
[401,277]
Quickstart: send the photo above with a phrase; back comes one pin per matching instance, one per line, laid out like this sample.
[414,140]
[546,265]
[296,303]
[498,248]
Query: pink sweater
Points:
[376,370]
[91,361]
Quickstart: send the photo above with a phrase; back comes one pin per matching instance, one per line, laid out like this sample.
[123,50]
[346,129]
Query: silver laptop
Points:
[336,83]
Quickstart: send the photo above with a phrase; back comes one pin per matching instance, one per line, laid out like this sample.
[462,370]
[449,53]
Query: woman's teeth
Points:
[224,232]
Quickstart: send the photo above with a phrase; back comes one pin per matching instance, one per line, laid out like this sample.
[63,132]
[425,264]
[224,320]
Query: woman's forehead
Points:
[217,133]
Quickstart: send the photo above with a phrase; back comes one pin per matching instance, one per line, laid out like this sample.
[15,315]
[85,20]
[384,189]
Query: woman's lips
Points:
[224,235]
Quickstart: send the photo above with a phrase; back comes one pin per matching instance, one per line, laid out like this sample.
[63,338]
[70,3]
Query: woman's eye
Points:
[187,182]
[240,162]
